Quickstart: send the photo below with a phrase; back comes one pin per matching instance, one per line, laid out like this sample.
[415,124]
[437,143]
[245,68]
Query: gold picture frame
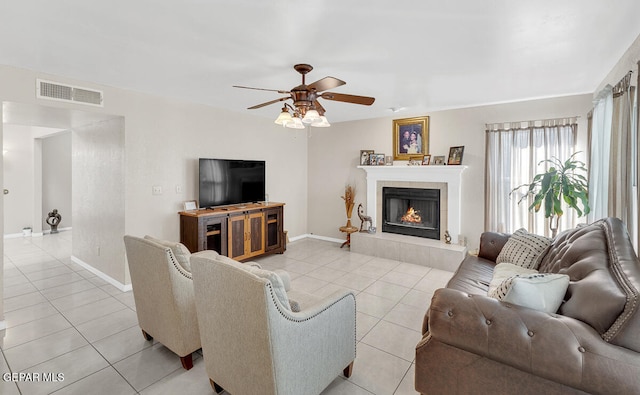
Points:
[410,137]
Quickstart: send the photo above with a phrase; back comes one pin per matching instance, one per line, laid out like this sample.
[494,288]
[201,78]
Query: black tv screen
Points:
[225,182]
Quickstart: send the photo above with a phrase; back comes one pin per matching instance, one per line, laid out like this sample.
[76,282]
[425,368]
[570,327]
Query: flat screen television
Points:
[226,182]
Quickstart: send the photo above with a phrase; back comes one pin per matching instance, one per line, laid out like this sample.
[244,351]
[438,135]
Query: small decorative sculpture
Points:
[349,197]
[364,219]
[53,220]
[447,237]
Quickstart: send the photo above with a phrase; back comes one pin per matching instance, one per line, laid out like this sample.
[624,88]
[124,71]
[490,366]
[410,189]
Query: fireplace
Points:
[411,211]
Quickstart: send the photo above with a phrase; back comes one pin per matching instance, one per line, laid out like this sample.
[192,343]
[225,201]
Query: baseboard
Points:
[3,325]
[46,232]
[299,237]
[19,235]
[33,234]
[14,235]
[317,237]
[105,277]
[325,238]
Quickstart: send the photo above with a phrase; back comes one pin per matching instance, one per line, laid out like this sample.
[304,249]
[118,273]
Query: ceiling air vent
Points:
[69,93]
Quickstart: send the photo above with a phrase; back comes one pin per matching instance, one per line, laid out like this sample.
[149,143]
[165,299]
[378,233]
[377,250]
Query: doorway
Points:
[97,180]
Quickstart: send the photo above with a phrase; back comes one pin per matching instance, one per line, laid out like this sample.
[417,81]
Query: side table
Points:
[348,230]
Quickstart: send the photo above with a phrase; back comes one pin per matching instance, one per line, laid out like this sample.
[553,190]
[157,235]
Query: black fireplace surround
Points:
[411,211]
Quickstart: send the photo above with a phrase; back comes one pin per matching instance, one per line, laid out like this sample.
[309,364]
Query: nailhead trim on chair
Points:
[293,319]
[176,265]
[288,317]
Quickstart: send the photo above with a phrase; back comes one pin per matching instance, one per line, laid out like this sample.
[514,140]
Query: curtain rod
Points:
[623,85]
[529,124]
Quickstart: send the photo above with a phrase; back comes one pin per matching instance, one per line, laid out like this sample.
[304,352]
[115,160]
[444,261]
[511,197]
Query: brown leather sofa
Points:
[474,344]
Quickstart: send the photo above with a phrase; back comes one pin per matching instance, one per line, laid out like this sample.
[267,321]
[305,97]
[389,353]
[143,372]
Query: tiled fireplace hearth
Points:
[446,180]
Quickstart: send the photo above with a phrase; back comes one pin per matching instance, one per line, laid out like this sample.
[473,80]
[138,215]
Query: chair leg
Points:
[216,387]
[146,335]
[187,361]
[348,370]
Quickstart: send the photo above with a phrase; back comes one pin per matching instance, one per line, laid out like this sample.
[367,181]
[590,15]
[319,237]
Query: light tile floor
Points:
[61,318]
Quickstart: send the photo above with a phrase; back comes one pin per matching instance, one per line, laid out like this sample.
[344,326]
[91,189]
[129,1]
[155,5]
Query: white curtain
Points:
[600,153]
[513,155]
[613,136]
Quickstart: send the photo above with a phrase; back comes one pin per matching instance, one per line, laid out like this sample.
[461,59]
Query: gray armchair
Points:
[163,293]
[252,341]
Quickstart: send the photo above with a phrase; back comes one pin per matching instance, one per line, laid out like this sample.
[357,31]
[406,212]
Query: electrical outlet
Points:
[178,188]
[157,190]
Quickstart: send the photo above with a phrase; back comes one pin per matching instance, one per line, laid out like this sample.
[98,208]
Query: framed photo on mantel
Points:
[365,154]
[410,137]
[455,155]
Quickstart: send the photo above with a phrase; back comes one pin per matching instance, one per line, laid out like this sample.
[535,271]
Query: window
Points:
[513,155]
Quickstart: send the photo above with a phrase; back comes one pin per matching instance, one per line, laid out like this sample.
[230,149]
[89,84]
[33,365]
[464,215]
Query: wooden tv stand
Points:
[239,232]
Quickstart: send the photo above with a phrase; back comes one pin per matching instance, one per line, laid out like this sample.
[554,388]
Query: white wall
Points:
[163,140]
[18,178]
[2,321]
[628,62]
[56,178]
[334,154]
[98,197]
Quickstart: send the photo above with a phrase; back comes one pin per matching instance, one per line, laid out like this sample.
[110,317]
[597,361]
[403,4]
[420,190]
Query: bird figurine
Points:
[364,219]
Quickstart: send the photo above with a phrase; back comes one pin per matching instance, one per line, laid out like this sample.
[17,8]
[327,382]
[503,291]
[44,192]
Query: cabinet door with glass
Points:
[274,229]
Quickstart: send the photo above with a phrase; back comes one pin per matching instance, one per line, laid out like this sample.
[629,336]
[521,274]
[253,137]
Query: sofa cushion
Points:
[540,291]
[605,279]
[491,243]
[505,270]
[524,249]
[473,275]
[180,251]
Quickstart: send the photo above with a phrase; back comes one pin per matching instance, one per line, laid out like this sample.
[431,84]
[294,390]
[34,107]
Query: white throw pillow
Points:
[180,251]
[505,270]
[524,249]
[542,291]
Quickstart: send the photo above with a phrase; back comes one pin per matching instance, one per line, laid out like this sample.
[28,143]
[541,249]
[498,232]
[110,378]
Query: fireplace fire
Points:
[411,211]
[411,216]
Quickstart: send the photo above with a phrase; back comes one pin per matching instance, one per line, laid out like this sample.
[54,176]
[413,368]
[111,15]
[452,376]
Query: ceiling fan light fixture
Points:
[295,123]
[284,117]
[322,123]
[311,116]
[306,109]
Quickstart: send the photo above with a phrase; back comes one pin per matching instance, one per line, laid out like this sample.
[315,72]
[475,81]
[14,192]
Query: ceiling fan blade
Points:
[364,100]
[260,89]
[269,102]
[326,83]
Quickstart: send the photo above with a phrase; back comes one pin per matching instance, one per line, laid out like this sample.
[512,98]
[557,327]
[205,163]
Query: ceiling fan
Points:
[306,107]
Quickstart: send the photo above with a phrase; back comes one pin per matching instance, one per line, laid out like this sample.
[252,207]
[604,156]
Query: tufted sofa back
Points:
[605,279]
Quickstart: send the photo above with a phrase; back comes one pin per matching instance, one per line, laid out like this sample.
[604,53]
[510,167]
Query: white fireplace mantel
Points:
[451,175]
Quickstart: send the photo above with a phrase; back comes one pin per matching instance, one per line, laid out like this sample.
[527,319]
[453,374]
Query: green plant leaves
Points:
[560,183]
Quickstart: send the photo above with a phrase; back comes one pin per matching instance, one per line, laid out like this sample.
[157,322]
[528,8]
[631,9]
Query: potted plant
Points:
[560,183]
